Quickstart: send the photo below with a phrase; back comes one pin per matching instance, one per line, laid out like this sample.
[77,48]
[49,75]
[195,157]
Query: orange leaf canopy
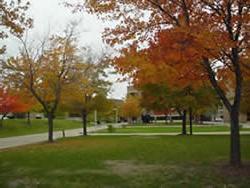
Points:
[11,103]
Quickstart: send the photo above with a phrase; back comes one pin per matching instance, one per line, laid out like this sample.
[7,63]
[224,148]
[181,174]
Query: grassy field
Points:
[168,129]
[20,126]
[125,162]
[175,123]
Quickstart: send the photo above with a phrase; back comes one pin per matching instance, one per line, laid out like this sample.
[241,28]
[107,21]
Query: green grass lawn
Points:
[19,127]
[175,123]
[125,162]
[168,129]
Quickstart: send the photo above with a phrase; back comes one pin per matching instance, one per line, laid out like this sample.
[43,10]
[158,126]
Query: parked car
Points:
[38,116]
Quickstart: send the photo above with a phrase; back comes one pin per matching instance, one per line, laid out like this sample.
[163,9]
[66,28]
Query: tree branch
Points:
[215,84]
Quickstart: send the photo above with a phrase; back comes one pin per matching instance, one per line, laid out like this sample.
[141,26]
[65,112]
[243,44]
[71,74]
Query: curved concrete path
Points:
[166,134]
[42,137]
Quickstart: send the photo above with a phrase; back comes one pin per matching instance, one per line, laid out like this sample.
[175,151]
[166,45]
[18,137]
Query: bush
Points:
[111,129]
[124,126]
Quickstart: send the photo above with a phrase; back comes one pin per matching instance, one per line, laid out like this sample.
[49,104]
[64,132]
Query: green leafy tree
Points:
[90,91]
[195,101]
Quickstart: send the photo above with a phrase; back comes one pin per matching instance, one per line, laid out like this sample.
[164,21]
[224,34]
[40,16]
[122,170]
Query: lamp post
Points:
[87,98]
[95,117]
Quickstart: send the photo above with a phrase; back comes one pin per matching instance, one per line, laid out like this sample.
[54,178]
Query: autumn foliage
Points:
[13,19]
[10,103]
[192,40]
[131,108]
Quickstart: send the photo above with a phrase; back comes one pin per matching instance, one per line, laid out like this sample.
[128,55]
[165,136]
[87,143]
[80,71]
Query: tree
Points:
[245,97]
[161,98]
[131,108]
[45,71]
[90,90]
[195,101]
[166,85]
[10,103]
[197,36]
[28,99]
[200,101]
[13,19]
[104,108]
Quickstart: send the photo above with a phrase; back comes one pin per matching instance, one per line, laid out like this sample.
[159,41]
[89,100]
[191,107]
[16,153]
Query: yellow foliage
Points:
[131,108]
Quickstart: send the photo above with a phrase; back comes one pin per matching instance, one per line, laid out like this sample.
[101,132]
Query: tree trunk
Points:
[235,154]
[50,124]
[196,119]
[84,121]
[191,121]
[184,120]
[28,118]
[171,120]
[166,119]
[1,120]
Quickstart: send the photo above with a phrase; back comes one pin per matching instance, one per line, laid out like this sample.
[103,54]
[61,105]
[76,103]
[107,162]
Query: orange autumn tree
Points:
[10,104]
[30,101]
[46,71]
[167,85]
[216,33]
[13,19]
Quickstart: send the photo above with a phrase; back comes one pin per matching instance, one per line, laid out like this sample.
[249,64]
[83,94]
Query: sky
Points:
[50,16]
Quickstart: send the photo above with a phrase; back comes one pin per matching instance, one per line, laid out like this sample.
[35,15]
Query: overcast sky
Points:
[51,16]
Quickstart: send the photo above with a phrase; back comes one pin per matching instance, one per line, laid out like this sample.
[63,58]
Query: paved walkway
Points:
[37,138]
[42,137]
[164,134]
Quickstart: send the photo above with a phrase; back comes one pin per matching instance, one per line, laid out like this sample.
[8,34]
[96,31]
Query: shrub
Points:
[111,129]
[124,125]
